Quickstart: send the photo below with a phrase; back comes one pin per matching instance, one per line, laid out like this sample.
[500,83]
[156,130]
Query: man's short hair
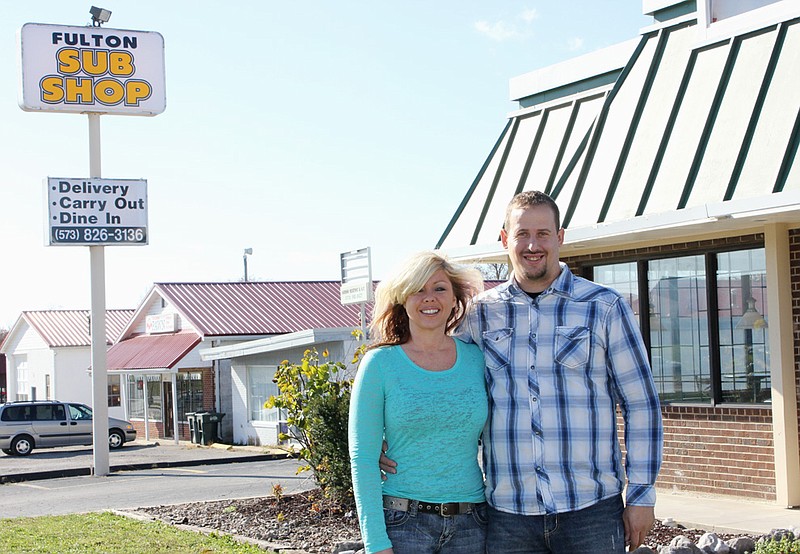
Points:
[531,198]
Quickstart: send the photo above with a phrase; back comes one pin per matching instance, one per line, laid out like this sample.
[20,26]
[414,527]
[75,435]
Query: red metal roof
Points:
[151,351]
[71,327]
[261,308]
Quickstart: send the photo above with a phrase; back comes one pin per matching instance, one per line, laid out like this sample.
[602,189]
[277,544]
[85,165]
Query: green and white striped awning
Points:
[693,136]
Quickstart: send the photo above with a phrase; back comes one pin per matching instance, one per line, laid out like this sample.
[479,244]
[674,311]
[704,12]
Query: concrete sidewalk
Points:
[724,514]
[51,463]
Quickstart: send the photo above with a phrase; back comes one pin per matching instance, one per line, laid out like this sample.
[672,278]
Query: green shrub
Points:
[783,546]
[315,395]
[328,430]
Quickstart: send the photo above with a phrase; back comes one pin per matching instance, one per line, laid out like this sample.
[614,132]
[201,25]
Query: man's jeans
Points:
[598,528]
[420,533]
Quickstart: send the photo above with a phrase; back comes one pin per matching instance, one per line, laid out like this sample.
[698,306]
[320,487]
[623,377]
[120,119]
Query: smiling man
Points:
[561,354]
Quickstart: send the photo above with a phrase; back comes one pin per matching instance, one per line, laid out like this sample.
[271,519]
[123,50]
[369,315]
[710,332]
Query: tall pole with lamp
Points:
[118,72]
[247,252]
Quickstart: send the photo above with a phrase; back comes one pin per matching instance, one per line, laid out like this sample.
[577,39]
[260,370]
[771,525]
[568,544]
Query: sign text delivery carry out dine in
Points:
[96,211]
[91,69]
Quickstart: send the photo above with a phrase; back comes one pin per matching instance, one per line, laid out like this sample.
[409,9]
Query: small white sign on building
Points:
[94,212]
[161,323]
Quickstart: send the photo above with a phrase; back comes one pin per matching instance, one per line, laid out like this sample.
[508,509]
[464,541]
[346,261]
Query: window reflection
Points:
[136,399]
[624,279]
[679,328]
[260,387]
[190,393]
[744,356]
[680,331]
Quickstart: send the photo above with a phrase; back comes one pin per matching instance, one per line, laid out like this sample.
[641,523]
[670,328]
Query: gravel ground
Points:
[662,535]
[304,521]
[309,522]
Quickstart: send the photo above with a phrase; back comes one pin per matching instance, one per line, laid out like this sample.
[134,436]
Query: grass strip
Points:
[110,534]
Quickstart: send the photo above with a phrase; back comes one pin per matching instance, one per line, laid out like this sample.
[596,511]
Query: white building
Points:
[48,356]
[214,347]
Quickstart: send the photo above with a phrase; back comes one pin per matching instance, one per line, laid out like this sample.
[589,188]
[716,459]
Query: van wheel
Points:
[8,451]
[115,439]
[21,445]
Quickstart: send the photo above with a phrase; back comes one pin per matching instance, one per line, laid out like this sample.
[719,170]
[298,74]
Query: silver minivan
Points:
[26,425]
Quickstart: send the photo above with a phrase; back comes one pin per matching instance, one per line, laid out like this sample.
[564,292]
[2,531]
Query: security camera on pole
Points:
[94,71]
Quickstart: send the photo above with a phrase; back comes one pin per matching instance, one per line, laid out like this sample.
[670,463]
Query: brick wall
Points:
[156,429]
[718,450]
[708,449]
[684,248]
[209,390]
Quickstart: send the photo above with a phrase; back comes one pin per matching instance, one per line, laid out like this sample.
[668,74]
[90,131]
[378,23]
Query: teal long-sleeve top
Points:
[432,421]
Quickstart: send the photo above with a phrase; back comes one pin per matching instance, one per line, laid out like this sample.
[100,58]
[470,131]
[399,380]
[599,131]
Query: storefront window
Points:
[113,391]
[624,278]
[259,388]
[190,393]
[135,396]
[688,366]
[154,401]
[679,328]
[744,353]
[22,376]
[137,385]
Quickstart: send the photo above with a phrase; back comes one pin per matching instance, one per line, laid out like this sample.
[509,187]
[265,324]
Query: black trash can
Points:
[209,424]
[194,435]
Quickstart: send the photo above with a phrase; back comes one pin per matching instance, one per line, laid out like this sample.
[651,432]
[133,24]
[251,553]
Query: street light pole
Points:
[247,252]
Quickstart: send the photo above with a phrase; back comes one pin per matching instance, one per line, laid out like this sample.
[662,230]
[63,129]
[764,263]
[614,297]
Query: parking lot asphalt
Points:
[50,463]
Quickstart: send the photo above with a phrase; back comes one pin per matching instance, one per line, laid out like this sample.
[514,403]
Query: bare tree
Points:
[493,271]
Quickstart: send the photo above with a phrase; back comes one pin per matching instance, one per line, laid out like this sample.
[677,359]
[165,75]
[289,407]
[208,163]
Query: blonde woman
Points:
[425,393]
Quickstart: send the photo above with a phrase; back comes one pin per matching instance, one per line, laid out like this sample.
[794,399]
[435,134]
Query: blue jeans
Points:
[412,532]
[598,528]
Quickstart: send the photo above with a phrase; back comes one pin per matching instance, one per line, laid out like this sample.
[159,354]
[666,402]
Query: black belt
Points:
[443,508]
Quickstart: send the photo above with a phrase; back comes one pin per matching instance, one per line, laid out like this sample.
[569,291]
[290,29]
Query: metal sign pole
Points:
[98,323]
[363,322]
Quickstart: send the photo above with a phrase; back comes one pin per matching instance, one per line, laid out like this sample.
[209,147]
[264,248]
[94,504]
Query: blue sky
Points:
[300,130]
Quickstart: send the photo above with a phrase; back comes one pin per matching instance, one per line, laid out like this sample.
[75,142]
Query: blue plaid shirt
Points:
[556,367]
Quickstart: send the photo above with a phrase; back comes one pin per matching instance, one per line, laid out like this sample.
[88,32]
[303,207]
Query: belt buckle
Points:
[443,508]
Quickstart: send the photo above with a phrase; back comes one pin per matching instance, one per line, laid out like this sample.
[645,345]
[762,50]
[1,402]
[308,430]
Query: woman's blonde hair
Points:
[390,321]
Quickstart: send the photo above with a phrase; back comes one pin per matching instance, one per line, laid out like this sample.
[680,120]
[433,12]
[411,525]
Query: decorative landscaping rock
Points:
[712,544]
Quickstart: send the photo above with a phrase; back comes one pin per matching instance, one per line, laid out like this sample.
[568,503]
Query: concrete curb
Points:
[264,545]
[82,471]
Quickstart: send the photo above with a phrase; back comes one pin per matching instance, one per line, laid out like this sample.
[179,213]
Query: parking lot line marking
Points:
[182,469]
[30,486]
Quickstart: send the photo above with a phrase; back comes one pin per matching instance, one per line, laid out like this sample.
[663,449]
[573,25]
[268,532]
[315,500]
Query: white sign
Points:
[355,292]
[161,323]
[356,267]
[96,211]
[91,69]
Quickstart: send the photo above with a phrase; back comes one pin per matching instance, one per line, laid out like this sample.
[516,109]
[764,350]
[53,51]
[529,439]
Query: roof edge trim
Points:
[272,344]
